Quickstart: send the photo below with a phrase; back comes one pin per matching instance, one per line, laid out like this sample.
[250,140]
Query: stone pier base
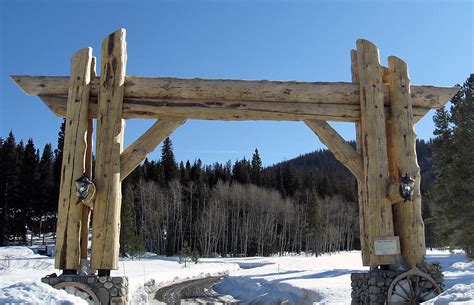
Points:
[372,287]
[104,290]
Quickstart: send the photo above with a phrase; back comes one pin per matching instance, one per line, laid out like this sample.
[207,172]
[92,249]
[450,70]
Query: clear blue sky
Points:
[291,40]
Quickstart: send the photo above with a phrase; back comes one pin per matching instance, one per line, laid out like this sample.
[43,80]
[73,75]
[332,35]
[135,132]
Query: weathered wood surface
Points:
[228,110]
[86,211]
[361,190]
[106,222]
[134,154]
[68,239]
[408,222]
[339,147]
[210,110]
[234,99]
[379,210]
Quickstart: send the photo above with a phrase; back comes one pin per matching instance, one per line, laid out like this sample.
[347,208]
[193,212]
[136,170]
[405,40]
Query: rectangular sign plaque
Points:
[387,245]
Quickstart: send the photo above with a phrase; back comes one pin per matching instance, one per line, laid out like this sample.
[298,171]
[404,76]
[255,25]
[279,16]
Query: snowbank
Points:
[459,279]
[261,291]
[458,294]
[463,266]
[15,252]
[34,292]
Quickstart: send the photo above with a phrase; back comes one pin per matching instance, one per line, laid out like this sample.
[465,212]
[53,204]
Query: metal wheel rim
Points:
[409,291]
[81,287]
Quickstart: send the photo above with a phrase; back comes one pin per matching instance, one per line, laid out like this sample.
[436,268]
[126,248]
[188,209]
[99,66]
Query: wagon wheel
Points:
[412,287]
[79,290]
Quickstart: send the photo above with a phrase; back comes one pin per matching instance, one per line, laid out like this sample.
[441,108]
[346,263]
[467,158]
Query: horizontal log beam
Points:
[134,108]
[240,91]
[339,147]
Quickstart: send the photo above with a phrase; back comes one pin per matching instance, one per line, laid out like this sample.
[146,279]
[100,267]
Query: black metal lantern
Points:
[85,189]
[407,186]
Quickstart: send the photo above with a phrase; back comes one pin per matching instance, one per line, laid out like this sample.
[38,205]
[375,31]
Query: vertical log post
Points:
[106,221]
[378,210]
[361,189]
[68,240]
[408,222]
[86,212]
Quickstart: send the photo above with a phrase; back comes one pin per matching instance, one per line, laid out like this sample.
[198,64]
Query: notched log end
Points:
[364,43]
[109,42]
[394,59]
[437,96]
[453,91]
[51,103]
[83,52]
[17,79]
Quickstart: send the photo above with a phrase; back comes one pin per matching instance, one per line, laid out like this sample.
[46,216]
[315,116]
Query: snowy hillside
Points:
[299,279]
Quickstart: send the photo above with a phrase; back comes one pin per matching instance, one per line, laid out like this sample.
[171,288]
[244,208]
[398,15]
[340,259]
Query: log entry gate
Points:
[379,100]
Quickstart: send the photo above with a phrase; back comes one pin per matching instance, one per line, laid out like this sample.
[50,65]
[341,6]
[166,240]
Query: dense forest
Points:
[307,204]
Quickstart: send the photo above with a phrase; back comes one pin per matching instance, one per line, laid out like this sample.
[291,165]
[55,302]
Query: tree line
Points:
[307,204]
[29,188]
[238,209]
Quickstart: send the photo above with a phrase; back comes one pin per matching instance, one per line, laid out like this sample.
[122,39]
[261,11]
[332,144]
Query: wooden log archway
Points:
[379,100]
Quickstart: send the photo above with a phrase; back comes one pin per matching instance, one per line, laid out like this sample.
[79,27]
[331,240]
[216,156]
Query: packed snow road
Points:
[197,291]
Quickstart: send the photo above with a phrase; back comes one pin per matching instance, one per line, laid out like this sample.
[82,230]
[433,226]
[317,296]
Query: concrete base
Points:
[372,287]
[105,289]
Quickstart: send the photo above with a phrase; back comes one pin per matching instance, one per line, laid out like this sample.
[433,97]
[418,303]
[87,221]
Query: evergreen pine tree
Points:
[454,166]
[241,171]
[58,160]
[256,169]
[128,235]
[315,221]
[3,215]
[28,188]
[11,171]
[183,175]
[185,254]
[168,162]
[9,182]
[45,182]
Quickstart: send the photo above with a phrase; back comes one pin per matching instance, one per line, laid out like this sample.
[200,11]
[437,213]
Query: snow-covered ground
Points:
[19,267]
[458,277]
[299,279]
[326,279]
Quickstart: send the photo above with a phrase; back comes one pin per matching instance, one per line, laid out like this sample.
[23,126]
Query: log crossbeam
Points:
[207,99]
[134,108]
